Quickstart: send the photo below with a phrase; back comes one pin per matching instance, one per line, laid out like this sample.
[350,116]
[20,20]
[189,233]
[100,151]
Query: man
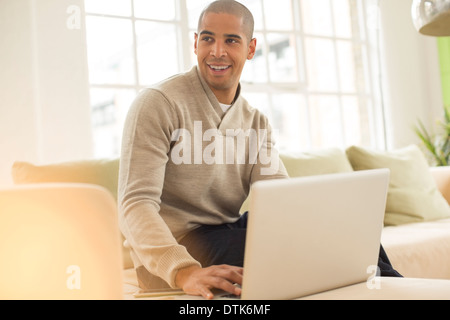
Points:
[170,185]
[192,147]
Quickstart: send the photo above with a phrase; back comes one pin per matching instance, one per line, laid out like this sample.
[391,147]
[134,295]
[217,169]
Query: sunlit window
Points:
[310,75]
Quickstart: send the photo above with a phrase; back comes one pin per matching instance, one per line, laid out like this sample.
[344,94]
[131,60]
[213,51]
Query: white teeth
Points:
[219,67]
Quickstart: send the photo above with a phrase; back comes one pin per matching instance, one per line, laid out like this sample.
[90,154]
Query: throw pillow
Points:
[323,161]
[316,162]
[413,195]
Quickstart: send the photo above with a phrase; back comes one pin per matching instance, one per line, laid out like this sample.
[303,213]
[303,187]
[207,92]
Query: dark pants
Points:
[225,244]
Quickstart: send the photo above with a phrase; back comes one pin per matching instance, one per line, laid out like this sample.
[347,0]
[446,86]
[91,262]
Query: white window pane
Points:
[345,51]
[110,50]
[110,7]
[356,121]
[195,8]
[154,9]
[259,101]
[290,119]
[352,121]
[191,47]
[255,7]
[362,66]
[302,67]
[109,109]
[325,120]
[321,65]
[278,14]
[157,51]
[282,58]
[316,17]
[342,18]
[255,70]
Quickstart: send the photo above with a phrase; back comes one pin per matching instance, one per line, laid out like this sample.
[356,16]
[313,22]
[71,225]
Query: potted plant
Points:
[437,145]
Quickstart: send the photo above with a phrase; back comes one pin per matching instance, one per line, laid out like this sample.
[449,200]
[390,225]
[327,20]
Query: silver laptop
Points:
[312,234]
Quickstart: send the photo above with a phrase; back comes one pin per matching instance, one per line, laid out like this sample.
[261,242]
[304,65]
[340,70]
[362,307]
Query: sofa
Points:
[416,234]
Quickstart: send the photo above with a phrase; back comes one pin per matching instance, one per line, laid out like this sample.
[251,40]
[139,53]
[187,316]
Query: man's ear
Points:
[251,49]
[195,42]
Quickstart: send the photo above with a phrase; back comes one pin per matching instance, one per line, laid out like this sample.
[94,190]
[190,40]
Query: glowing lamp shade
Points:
[432,17]
[59,242]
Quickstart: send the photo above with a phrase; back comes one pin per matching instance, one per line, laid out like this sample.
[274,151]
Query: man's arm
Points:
[146,145]
[145,149]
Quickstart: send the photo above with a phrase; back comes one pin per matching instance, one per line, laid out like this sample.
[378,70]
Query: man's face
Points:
[222,49]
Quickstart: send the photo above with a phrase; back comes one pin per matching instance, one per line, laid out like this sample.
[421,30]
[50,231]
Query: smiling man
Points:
[180,198]
[222,54]
[180,212]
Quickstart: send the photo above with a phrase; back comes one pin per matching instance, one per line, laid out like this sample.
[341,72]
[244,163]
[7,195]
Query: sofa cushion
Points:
[103,172]
[322,161]
[99,172]
[413,195]
[419,250]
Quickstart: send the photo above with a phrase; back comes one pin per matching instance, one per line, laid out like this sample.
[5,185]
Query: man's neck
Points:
[226,97]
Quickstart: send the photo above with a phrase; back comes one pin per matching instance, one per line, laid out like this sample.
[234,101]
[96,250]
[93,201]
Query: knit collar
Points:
[232,120]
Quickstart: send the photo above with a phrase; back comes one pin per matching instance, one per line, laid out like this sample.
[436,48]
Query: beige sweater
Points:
[185,163]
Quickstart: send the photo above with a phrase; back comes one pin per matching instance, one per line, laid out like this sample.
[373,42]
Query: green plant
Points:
[438,145]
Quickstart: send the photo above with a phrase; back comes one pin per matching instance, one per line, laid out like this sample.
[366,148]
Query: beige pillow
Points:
[323,161]
[413,195]
[102,172]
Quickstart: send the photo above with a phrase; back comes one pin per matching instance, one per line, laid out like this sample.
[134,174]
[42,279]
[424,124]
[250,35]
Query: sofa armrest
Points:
[442,177]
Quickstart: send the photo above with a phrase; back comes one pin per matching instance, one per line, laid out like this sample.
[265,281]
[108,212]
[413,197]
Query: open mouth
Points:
[218,68]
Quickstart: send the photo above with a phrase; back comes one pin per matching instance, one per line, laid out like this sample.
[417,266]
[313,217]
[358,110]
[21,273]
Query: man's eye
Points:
[231,41]
[207,39]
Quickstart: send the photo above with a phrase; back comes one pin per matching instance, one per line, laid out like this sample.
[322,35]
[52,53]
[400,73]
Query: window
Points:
[311,74]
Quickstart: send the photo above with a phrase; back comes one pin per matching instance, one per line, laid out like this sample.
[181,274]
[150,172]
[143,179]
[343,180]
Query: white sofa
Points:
[421,250]
[417,249]
[416,235]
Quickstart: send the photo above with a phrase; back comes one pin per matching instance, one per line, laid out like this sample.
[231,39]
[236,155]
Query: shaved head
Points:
[234,8]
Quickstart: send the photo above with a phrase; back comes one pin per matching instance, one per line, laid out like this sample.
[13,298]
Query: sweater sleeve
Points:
[145,148]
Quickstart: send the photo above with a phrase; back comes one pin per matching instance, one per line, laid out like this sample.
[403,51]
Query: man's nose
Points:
[218,50]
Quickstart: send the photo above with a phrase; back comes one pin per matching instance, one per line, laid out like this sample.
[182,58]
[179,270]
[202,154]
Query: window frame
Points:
[185,60]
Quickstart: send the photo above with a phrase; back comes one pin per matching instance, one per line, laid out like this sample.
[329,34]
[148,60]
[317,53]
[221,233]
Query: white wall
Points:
[44,105]
[411,74]
[17,112]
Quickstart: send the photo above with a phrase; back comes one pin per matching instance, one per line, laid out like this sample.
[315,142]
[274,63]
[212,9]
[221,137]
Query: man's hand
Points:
[198,281]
